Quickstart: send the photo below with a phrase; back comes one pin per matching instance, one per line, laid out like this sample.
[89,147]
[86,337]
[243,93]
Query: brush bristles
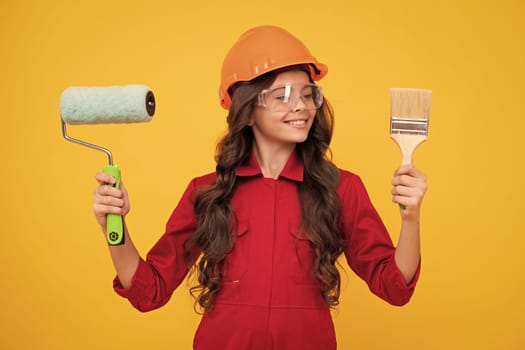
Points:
[410,103]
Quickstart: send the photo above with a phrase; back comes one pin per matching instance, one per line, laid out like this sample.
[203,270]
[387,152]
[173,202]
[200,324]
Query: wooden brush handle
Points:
[407,144]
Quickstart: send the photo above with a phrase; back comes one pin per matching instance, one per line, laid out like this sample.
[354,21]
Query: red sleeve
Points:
[370,251]
[165,266]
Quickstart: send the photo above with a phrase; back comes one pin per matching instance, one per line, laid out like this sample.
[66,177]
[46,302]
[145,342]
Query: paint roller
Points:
[107,105]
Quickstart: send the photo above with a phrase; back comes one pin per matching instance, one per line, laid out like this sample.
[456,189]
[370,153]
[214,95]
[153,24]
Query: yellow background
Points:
[55,284]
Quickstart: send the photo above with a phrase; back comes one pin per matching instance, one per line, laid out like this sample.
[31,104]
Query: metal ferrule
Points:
[411,126]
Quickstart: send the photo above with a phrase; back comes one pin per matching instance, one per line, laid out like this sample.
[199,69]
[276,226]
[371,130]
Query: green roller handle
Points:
[115,226]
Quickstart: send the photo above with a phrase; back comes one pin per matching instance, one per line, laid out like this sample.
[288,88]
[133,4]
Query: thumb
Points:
[122,187]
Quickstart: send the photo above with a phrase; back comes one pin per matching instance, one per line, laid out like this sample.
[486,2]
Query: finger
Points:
[403,191]
[400,191]
[123,188]
[406,180]
[110,201]
[103,178]
[406,202]
[411,192]
[409,169]
[106,190]
[410,180]
[407,195]
[102,209]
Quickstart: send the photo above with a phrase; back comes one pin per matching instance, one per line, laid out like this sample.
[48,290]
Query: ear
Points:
[251,122]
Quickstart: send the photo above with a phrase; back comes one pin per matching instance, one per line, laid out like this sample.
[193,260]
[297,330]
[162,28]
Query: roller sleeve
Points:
[107,105]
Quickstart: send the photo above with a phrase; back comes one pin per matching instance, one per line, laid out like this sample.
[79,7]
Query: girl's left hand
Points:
[409,187]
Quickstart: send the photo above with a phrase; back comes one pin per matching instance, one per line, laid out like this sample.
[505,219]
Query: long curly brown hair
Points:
[317,194]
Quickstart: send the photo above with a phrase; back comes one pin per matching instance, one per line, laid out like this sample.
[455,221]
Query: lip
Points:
[297,123]
[296,120]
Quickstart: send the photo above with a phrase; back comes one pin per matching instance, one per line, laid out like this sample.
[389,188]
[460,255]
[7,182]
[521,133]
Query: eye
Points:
[280,95]
[308,94]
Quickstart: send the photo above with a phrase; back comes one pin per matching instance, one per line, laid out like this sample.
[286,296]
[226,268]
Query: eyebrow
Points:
[289,84]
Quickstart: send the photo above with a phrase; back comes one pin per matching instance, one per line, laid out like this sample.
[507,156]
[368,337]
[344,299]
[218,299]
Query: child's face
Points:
[285,127]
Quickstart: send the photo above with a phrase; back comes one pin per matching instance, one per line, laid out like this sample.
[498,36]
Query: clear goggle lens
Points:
[286,97]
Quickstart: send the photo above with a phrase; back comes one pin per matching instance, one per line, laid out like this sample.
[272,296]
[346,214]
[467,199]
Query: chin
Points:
[299,139]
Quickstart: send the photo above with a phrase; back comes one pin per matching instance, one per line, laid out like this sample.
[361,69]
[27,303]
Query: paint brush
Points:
[410,110]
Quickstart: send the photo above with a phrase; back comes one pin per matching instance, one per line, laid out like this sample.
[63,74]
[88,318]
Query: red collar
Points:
[293,169]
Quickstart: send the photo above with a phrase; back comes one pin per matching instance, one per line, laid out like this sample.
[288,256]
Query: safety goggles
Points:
[285,98]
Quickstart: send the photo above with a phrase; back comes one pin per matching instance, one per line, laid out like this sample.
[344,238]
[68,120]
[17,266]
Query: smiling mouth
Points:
[296,122]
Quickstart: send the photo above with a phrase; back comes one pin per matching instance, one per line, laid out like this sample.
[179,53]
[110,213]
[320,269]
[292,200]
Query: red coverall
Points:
[269,298]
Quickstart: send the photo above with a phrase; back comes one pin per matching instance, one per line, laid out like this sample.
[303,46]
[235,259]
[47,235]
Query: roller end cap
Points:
[150,103]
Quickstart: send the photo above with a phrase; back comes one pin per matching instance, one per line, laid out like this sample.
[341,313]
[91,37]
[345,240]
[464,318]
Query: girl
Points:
[264,231]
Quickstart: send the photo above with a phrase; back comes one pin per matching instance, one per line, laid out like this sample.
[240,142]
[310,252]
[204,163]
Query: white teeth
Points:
[297,122]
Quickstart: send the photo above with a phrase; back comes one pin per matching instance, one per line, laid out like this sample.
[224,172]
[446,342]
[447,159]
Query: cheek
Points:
[312,118]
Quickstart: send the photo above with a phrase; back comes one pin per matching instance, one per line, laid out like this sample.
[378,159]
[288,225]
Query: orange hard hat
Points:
[260,50]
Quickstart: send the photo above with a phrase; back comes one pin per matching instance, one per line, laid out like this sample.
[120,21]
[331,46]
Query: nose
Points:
[299,104]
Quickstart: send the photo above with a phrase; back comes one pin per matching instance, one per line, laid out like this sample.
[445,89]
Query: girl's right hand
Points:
[108,199]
